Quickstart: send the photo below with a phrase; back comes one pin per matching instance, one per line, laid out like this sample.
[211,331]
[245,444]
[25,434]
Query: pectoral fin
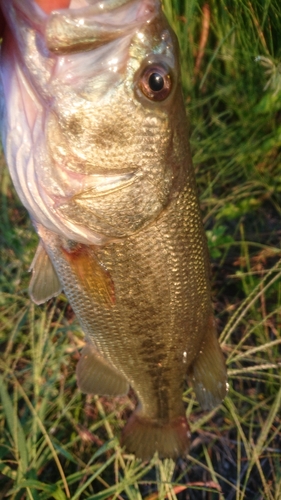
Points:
[96,376]
[208,372]
[91,275]
[44,283]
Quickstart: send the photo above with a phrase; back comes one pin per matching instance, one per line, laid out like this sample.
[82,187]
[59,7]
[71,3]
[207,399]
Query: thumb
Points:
[49,5]
[46,5]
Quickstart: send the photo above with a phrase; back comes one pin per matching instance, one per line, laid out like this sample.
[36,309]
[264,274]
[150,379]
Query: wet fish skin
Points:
[65,156]
[119,216]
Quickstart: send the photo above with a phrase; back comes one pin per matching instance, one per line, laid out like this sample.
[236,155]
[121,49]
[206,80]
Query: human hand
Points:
[46,5]
[49,5]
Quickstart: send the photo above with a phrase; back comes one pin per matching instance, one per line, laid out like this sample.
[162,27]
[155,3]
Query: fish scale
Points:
[157,303]
[100,158]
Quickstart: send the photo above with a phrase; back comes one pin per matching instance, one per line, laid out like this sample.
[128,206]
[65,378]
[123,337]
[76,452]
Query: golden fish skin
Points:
[159,327]
[110,188]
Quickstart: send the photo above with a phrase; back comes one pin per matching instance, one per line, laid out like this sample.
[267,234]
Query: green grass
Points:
[56,442]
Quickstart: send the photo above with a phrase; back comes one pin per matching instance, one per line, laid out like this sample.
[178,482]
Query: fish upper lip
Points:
[83,29]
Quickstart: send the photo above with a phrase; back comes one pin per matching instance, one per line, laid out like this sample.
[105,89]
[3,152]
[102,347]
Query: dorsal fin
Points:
[44,283]
[208,372]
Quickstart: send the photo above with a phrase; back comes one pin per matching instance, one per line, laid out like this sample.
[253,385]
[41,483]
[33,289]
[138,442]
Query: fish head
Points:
[100,127]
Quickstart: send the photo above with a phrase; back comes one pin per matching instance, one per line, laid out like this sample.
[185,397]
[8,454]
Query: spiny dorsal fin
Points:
[95,375]
[44,283]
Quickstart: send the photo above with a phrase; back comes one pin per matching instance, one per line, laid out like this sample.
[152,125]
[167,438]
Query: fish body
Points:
[95,138]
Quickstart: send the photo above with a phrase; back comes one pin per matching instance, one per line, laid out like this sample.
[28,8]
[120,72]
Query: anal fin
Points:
[95,375]
[208,373]
[44,283]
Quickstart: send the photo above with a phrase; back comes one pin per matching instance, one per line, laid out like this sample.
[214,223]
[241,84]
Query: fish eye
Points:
[155,82]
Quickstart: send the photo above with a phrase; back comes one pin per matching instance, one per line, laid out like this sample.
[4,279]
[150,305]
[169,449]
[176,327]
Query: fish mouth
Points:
[69,30]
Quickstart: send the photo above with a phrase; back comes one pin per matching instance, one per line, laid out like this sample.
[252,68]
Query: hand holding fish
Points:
[95,136]
[46,5]
[49,5]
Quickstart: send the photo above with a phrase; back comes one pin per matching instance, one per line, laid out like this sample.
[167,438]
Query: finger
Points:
[46,5]
[49,5]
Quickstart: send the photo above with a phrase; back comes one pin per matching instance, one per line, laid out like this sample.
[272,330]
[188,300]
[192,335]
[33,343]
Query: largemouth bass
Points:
[95,137]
